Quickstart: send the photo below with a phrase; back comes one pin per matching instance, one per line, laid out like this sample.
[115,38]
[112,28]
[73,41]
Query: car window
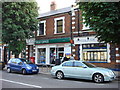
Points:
[13,61]
[18,61]
[26,61]
[69,64]
[78,64]
[10,61]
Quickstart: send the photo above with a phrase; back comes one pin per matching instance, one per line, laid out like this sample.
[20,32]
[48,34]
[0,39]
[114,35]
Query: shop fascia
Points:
[57,40]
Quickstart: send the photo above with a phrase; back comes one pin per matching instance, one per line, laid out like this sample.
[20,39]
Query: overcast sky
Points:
[45,4]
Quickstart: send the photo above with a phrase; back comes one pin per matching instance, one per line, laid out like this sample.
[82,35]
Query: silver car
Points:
[82,70]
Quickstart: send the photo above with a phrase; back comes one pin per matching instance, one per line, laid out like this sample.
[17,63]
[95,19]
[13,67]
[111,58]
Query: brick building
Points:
[61,33]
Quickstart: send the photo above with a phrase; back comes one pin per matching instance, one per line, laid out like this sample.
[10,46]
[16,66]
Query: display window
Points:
[41,55]
[94,52]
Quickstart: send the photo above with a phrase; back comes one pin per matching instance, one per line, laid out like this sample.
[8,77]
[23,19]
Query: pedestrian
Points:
[71,57]
[65,58]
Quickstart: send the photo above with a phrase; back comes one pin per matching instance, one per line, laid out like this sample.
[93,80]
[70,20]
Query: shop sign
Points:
[30,41]
[58,40]
[41,41]
[84,40]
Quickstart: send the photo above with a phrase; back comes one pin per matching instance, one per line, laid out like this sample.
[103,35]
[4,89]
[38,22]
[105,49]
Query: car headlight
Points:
[29,67]
[110,73]
[37,67]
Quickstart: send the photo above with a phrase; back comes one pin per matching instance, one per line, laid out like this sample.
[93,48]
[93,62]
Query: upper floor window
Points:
[84,25]
[59,25]
[42,26]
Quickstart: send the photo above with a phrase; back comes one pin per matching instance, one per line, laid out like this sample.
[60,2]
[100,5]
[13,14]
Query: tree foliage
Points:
[18,23]
[103,18]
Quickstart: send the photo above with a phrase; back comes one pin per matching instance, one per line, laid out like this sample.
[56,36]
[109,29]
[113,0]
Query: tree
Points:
[104,19]
[18,23]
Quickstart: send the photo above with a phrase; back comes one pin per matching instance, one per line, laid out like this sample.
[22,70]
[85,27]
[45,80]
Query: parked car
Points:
[82,70]
[21,65]
[2,65]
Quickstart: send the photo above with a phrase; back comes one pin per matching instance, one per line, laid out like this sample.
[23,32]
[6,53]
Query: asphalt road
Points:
[16,80]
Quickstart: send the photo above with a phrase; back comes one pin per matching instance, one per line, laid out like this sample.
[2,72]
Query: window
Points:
[18,61]
[84,25]
[95,52]
[68,64]
[59,25]
[42,55]
[78,64]
[42,28]
[13,61]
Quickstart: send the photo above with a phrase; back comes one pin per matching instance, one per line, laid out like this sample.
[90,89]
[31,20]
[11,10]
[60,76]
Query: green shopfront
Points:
[47,51]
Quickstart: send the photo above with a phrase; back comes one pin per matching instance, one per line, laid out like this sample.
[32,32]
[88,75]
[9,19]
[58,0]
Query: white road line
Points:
[21,83]
[45,78]
[24,76]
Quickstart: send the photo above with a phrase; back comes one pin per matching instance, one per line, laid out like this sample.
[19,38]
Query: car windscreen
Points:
[26,61]
[89,64]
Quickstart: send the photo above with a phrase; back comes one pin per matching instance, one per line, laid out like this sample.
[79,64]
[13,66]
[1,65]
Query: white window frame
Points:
[55,25]
[44,27]
[84,25]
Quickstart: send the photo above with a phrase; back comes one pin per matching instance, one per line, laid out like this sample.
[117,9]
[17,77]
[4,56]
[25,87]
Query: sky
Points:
[45,4]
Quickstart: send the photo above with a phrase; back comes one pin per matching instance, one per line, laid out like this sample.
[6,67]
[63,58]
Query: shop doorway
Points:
[56,54]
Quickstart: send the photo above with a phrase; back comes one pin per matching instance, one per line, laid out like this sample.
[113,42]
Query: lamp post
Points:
[71,13]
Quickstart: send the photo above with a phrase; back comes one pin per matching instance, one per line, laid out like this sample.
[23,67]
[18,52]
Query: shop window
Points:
[95,52]
[41,55]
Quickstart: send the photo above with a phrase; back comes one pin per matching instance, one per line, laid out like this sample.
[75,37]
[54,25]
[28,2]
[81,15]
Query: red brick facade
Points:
[76,27]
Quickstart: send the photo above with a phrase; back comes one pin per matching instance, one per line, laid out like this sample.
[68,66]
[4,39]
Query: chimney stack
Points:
[53,5]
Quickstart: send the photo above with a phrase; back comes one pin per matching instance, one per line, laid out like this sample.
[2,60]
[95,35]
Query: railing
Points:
[46,68]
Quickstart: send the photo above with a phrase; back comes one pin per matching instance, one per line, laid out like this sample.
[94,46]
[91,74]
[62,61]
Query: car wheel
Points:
[24,72]
[98,78]
[60,75]
[8,70]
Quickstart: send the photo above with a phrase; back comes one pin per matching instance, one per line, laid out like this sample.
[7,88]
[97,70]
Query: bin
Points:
[57,62]
[32,59]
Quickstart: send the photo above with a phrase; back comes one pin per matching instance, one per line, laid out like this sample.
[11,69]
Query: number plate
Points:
[34,70]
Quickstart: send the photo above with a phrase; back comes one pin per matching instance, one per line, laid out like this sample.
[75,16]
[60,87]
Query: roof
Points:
[54,12]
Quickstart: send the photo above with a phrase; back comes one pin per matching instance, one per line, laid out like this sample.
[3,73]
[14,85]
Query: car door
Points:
[12,65]
[67,68]
[18,65]
[81,71]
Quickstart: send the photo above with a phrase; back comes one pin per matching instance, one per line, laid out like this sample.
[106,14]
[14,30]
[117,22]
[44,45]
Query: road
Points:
[16,80]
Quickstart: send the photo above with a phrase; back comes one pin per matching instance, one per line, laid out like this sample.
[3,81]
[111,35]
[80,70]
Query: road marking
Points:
[45,78]
[101,84]
[21,83]
[24,76]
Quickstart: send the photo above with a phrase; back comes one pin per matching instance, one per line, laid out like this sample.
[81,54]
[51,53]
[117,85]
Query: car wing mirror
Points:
[20,63]
[84,67]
